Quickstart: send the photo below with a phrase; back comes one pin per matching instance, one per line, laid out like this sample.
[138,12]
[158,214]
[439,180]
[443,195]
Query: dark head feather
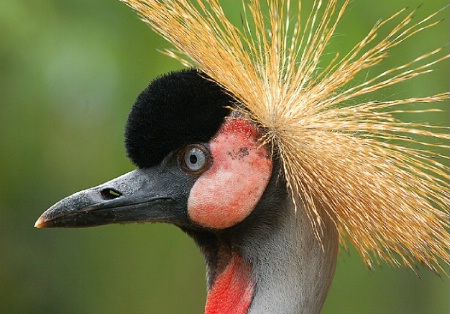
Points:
[176,109]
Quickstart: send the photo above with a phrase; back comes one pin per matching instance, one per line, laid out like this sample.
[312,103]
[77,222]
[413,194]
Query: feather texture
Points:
[380,179]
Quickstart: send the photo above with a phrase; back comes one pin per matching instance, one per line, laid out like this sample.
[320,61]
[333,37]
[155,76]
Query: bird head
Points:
[199,166]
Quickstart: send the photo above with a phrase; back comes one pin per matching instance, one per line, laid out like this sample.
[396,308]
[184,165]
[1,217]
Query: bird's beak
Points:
[138,196]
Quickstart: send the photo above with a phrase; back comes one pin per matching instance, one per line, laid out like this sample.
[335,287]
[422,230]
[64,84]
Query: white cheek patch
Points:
[228,192]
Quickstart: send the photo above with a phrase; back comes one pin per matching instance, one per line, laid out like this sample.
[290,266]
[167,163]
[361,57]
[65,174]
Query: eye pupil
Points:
[193,159]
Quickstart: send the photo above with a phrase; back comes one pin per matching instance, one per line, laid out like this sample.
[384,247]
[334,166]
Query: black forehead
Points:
[176,109]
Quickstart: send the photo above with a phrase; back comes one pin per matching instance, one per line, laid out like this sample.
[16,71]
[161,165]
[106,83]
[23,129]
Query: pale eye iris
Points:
[194,159]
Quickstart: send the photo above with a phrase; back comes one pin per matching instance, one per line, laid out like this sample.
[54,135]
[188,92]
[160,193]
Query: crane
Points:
[254,152]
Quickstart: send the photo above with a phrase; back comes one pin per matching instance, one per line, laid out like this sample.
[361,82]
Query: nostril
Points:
[110,194]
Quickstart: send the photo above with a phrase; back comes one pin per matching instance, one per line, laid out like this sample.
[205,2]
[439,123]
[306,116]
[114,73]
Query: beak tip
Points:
[40,223]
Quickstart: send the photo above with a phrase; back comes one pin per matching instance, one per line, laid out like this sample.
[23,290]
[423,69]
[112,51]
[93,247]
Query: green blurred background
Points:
[69,72]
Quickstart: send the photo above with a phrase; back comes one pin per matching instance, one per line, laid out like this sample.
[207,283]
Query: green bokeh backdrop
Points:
[69,72]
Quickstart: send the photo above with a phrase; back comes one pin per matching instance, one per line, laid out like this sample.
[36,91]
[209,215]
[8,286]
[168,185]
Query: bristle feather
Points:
[355,161]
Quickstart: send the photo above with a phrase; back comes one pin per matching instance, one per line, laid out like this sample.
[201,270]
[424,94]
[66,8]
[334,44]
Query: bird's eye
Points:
[195,159]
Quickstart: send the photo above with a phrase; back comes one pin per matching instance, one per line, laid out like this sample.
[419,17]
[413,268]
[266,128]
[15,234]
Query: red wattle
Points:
[233,289]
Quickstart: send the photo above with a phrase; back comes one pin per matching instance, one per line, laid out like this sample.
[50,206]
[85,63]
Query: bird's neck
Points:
[291,268]
[274,268]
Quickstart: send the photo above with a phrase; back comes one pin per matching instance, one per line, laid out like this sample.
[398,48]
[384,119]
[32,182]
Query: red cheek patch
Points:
[228,192]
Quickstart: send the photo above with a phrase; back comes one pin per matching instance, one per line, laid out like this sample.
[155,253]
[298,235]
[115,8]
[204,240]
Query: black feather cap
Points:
[176,109]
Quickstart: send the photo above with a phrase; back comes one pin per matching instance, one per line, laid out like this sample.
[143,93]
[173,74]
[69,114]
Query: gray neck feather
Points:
[291,269]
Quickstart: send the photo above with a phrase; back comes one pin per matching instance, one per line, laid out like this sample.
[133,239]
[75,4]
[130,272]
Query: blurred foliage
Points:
[69,72]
